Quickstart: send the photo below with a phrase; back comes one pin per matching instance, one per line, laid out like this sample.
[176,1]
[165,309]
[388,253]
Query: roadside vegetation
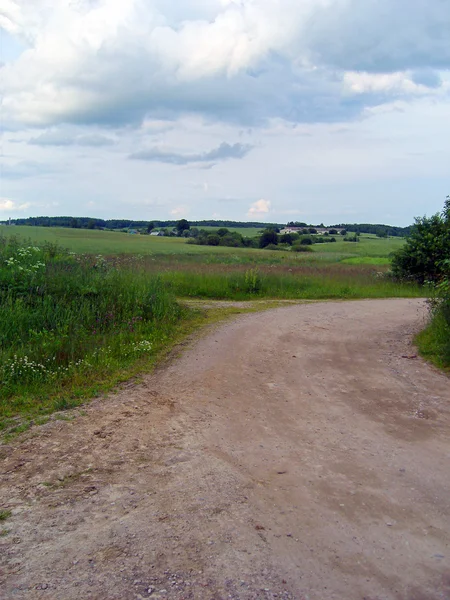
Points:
[425,259]
[69,320]
[83,310]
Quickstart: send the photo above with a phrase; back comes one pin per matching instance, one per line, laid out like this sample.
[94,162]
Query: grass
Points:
[4,514]
[77,322]
[316,284]
[110,242]
[434,341]
[368,246]
[72,324]
[367,260]
[114,243]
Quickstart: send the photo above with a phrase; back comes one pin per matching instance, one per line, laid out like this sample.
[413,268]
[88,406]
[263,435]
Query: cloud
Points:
[179,211]
[24,169]
[8,205]
[120,63]
[60,138]
[380,36]
[223,152]
[380,83]
[426,77]
[259,208]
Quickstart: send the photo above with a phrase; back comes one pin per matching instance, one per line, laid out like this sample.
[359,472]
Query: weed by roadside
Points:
[434,340]
[69,319]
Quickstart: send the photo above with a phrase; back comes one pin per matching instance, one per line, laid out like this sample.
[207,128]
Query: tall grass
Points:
[246,285]
[66,318]
[434,340]
[71,321]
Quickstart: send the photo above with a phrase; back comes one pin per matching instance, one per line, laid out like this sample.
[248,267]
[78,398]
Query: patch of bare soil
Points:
[297,453]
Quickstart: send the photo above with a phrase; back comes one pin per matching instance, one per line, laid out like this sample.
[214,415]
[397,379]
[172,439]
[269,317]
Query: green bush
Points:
[274,247]
[301,248]
[213,239]
[425,258]
[434,342]
[427,248]
[268,236]
[306,241]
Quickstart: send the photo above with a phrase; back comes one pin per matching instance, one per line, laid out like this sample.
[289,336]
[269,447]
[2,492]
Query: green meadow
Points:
[83,310]
[116,243]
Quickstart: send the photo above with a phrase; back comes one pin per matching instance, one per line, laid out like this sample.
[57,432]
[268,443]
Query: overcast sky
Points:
[271,110]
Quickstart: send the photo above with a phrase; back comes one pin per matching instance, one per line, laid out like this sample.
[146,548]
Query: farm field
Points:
[84,309]
[114,243]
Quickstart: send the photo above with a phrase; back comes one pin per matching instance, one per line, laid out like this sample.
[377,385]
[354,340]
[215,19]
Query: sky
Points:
[266,110]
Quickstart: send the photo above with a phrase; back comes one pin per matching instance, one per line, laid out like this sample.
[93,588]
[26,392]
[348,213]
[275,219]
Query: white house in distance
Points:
[320,230]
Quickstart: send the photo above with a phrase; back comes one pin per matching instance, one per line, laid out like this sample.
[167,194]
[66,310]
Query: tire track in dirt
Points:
[293,453]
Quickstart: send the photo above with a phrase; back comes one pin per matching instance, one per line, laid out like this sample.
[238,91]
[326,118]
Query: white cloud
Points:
[327,94]
[180,211]
[125,61]
[394,83]
[8,205]
[61,138]
[260,208]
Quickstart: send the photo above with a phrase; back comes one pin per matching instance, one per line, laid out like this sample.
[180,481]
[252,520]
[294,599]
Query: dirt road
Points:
[298,453]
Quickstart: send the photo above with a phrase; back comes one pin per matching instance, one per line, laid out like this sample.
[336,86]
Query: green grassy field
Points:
[115,243]
[83,309]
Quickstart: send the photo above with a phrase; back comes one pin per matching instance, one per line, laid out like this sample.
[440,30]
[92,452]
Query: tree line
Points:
[93,223]
[125,224]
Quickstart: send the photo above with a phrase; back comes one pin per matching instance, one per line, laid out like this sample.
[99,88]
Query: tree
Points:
[288,238]
[150,227]
[213,239]
[182,225]
[268,236]
[426,254]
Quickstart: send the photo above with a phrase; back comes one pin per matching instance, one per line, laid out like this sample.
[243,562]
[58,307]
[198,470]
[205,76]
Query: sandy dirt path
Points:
[298,453]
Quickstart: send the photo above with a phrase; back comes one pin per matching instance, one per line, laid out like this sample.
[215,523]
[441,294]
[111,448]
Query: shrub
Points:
[288,238]
[434,342]
[213,239]
[269,236]
[427,248]
[306,241]
[274,247]
[425,258]
[301,248]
